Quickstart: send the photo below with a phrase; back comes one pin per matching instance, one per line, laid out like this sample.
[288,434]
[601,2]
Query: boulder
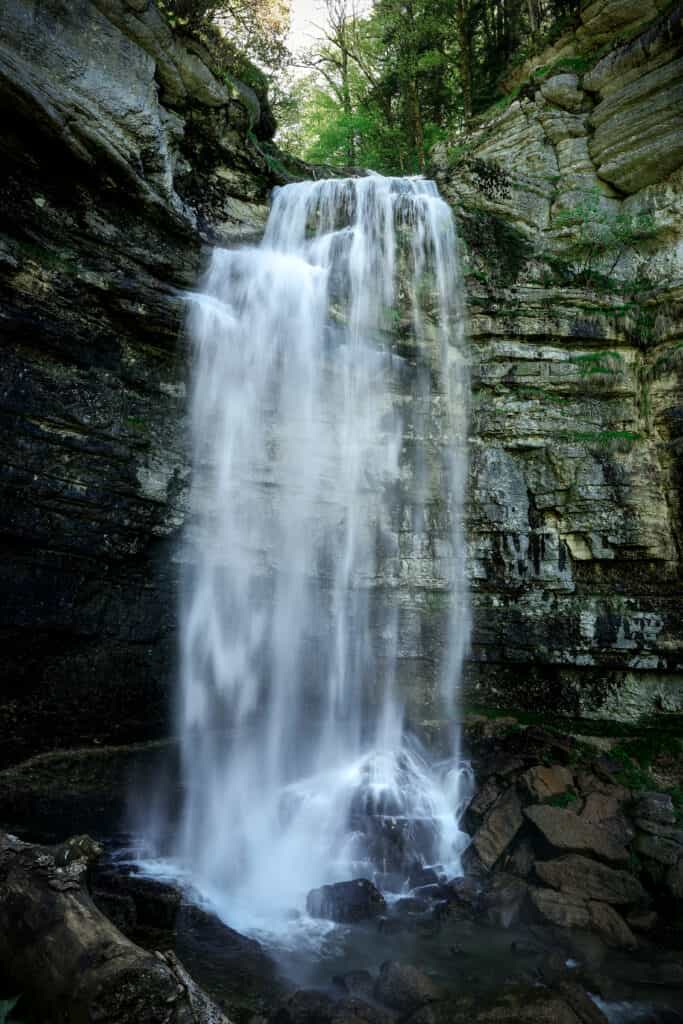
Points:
[658,848]
[545,781]
[521,858]
[355,983]
[654,807]
[605,810]
[518,1005]
[420,876]
[563,91]
[567,831]
[403,987]
[504,900]
[499,828]
[306,1007]
[155,904]
[587,878]
[346,902]
[674,879]
[560,909]
[611,925]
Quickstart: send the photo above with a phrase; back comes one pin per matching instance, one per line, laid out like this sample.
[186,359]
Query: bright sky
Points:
[303,13]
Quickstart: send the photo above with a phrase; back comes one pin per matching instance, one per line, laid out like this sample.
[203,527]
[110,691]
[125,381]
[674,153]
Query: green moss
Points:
[499,246]
[597,362]
[562,799]
[578,65]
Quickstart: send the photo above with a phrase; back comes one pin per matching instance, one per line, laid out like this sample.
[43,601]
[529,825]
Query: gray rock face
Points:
[499,828]
[581,876]
[101,233]
[352,901]
[566,831]
[574,525]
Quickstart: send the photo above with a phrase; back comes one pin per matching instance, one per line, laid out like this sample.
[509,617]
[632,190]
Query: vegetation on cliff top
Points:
[386,79]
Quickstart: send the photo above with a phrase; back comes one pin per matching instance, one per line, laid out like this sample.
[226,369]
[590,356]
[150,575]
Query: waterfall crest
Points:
[329,418]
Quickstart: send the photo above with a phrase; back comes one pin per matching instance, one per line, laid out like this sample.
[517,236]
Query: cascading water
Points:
[328,424]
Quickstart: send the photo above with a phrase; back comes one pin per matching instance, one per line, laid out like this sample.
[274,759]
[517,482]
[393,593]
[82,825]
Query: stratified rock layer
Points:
[121,152]
[569,202]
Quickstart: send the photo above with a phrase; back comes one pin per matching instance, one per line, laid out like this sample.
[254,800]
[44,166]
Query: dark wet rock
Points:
[663,970]
[560,909]
[306,1007]
[655,807]
[346,902]
[435,891]
[465,891]
[658,848]
[355,983]
[155,904]
[504,900]
[411,905]
[589,783]
[521,858]
[642,920]
[120,909]
[214,933]
[403,987]
[483,800]
[611,925]
[674,880]
[500,826]
[580,1002]
[544,781]
[589,879]
[393,840]
[657,828]
[604,810]
[566,831]
[421,876]
[391,925]
[511,1006]
[355,1010]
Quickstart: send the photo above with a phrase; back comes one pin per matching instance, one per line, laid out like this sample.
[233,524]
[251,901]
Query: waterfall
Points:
[328,426]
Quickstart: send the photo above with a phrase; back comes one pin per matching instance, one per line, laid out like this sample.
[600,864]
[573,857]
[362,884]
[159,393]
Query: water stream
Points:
[329,416]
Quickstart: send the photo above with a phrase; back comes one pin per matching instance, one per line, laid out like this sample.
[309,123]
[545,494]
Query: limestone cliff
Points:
[126,152]
[569,202]
[122,152]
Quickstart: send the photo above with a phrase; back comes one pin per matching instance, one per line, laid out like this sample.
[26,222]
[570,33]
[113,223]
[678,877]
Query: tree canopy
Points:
[385,79]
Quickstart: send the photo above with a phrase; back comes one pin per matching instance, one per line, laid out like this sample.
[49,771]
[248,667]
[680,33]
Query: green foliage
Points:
[408,73]
[562,799]
[577,65]
[597,362]
[236,32]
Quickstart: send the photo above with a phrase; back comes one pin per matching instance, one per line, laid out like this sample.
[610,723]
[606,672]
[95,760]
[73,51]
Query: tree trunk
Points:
[465,60]
[68,961]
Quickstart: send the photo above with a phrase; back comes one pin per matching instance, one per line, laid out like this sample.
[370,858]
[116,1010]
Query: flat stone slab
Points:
[581,876]
[566,831]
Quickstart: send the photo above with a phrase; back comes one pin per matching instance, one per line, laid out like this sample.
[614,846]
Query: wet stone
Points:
[589,879]
[500,827]
[346,902]
[656,807]
[566,831]
[355,983]
[403,987]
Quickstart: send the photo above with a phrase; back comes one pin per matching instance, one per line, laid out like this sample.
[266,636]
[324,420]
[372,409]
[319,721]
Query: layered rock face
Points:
[569,202]
[122,153]
[125,152]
